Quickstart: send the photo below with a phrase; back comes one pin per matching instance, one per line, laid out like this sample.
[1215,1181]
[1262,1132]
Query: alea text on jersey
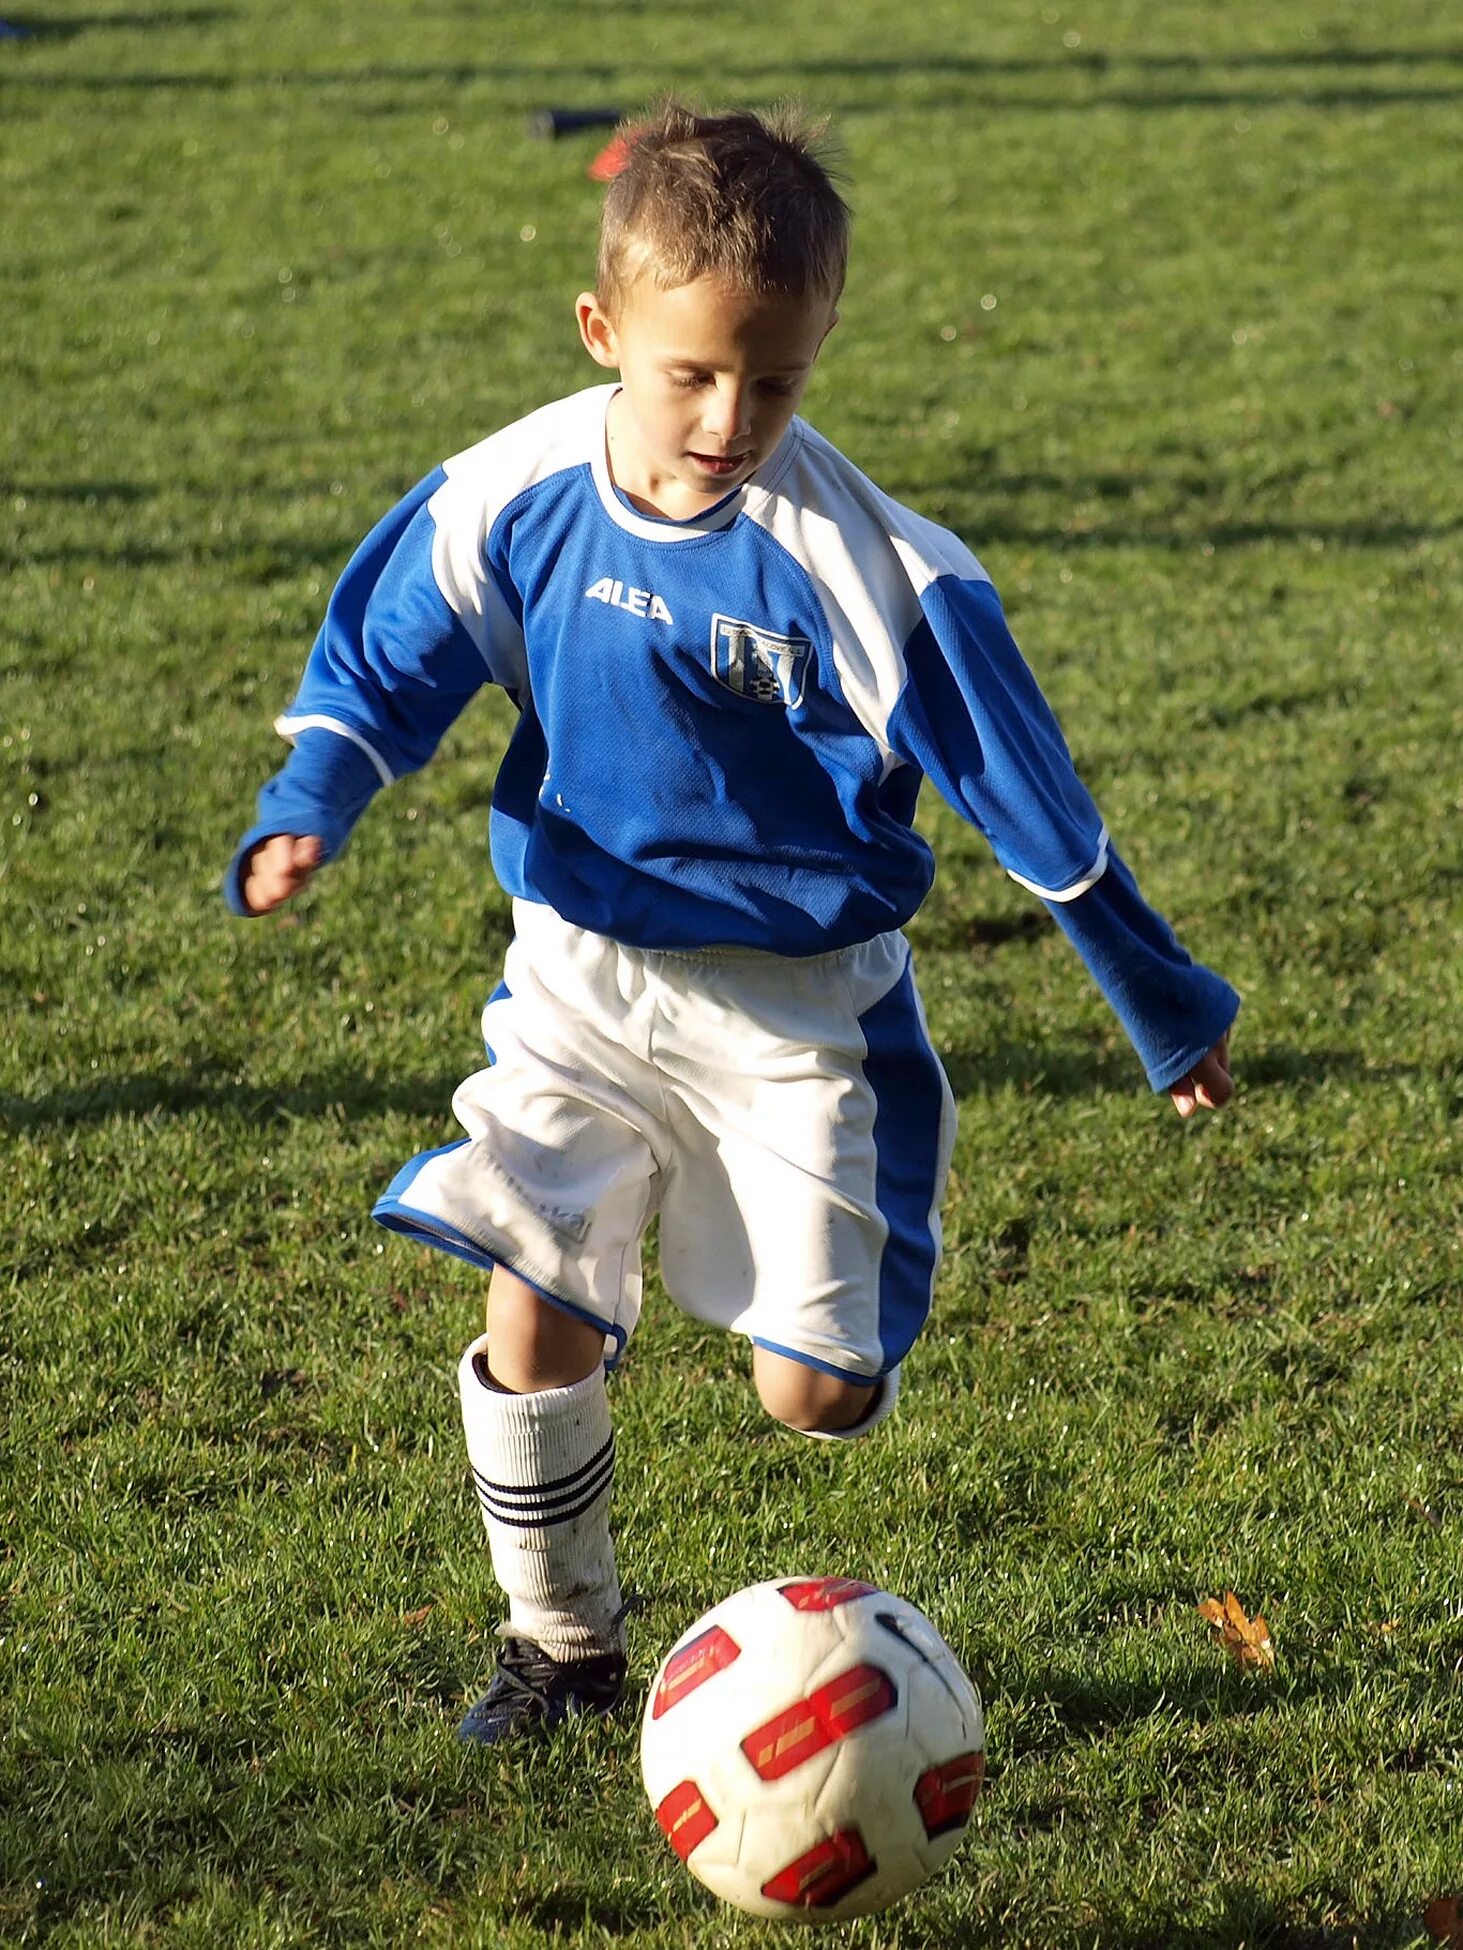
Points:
[639,602]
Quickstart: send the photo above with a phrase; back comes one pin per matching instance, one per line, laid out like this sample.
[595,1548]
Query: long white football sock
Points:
[543,1465]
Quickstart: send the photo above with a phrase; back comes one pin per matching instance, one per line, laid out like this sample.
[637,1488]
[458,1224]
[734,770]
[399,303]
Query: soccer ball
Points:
[812,1749]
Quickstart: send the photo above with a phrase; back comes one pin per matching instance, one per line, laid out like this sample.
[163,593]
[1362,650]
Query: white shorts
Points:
[786,1120]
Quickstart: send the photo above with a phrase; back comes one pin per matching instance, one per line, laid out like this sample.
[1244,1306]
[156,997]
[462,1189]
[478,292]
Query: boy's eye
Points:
[687,381]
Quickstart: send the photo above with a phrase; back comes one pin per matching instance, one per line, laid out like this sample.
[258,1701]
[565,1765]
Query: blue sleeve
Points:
[1173,1009]
[392,665]
[391,669]
[972,717]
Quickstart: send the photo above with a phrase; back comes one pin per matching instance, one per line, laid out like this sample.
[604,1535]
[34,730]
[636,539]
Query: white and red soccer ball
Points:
[812,1749]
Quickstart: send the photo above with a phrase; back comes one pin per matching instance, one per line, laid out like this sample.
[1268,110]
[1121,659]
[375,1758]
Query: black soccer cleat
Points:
[531,1692]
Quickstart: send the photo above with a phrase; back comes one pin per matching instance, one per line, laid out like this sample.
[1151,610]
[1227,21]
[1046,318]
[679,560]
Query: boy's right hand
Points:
[277,868]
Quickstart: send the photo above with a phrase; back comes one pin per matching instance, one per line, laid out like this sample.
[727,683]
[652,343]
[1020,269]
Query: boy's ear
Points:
[596,331]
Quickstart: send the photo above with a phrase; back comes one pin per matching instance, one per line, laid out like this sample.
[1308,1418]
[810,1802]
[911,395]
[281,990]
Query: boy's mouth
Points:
[720,464]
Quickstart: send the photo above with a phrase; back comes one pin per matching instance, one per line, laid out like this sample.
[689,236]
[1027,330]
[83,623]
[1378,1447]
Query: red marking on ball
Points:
[708,1653]
[789,1738]
[824,1594]
[946,1794]
[825,1874]
[686,1818]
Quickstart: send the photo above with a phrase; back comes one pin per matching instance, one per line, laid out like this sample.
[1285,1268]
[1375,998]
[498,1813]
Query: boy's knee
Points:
[815,1403]
[533,1344]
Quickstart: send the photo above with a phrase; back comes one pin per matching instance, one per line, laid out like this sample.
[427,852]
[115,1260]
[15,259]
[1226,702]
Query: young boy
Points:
[734,661]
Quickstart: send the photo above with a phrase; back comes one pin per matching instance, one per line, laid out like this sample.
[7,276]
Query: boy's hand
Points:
[1208,1084]
[277,868]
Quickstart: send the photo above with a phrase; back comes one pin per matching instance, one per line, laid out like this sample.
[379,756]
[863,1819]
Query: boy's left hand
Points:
[1208,1084]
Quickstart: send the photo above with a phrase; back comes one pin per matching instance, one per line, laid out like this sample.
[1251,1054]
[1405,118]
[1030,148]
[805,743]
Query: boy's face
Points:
[710,376]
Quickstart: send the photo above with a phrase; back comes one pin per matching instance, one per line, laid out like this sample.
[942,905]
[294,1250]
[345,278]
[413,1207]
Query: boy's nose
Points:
[727,414]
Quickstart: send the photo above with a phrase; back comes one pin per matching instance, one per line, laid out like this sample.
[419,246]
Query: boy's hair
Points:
[742,197]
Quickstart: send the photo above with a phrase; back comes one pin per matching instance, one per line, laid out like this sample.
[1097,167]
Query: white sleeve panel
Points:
[927,664]
[290,727]
[870,560]
[484,480]
[461,522]
[1074,888]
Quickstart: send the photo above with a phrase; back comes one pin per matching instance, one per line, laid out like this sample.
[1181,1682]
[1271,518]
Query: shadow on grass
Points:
[1092,65]
[1149,505]
[1196,532]
[36,27]
[978,934]
[85,492]
[254,561]
[1237,1918]
[572,1908]
[1155,502]
[1225,100]
[345,1098]
[1039,1070]
[1081,1707]
[1068,1070]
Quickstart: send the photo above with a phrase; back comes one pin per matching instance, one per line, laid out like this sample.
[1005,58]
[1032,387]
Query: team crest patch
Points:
[757,663]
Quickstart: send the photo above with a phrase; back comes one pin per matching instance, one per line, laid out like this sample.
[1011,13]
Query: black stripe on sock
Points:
[548,1520]
[567,1483]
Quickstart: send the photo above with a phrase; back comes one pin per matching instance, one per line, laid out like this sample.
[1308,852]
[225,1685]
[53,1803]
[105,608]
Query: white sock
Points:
[543,1465]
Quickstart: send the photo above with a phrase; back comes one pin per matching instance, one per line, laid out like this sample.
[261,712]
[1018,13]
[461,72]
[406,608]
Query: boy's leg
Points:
[535,1344]
[818,1403]
[537,1422]
[812,1146]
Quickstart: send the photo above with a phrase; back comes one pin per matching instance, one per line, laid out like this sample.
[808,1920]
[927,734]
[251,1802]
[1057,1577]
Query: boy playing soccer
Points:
[734,661]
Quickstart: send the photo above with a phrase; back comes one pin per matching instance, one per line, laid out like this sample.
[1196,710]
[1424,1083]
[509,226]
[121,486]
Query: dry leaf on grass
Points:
[418,1617]
[1444,1920]
[1246,1640]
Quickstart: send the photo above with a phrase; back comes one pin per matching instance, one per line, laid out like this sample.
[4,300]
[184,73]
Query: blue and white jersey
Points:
[724,723]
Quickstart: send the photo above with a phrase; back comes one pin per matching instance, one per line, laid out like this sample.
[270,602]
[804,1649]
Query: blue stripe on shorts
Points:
[908,1086]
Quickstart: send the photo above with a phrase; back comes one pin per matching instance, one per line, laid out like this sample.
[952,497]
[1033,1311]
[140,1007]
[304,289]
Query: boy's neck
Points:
[649,492]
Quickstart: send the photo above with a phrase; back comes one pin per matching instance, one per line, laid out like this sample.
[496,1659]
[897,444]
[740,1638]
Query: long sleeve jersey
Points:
[723,723]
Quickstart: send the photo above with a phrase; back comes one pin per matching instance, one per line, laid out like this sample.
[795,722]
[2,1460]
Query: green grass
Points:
[1158,306]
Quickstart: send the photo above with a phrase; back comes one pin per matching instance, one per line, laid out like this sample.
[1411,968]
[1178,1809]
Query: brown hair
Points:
[743,197]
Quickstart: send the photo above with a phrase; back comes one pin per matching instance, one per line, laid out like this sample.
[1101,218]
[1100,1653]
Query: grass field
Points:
[1158,306]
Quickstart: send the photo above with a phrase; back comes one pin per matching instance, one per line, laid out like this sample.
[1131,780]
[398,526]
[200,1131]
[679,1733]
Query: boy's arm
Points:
[1177,1013]
[393,665]
[973,717]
